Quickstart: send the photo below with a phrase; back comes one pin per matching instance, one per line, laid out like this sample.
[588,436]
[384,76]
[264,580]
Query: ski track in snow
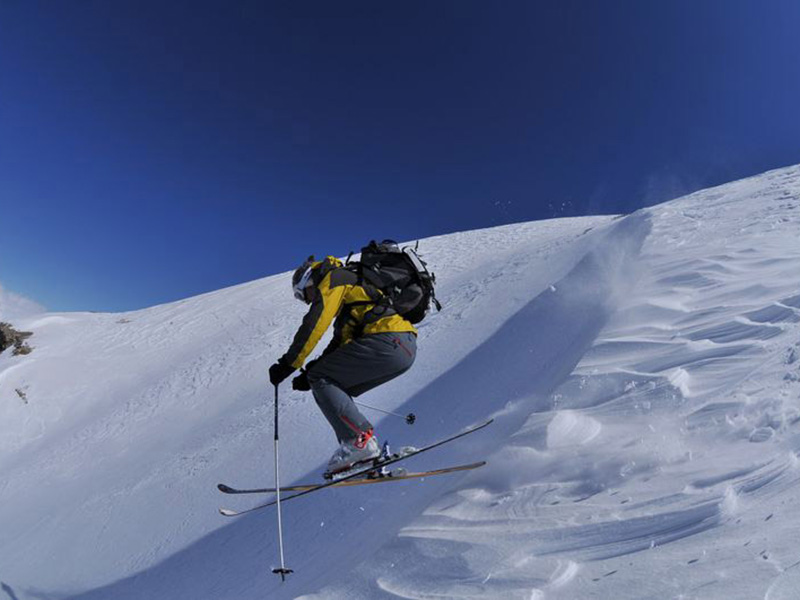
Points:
[643,373]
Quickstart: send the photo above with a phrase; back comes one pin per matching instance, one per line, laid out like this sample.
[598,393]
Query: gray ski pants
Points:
[353,369]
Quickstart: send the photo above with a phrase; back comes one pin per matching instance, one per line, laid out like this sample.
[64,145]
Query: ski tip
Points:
[481,425]
[225,489]
[227,512]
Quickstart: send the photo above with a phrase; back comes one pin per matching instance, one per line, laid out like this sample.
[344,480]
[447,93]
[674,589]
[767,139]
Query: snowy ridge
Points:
[643,373]
[680,424]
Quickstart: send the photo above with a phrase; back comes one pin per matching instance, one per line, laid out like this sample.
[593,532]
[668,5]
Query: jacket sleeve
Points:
[326,305]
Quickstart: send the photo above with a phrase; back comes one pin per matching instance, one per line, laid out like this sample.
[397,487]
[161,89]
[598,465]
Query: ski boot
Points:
[353,454]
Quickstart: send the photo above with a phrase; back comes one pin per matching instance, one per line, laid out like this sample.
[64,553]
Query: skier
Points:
[371,345]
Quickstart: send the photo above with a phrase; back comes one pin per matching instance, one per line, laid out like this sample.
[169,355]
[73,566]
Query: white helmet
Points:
[301,280]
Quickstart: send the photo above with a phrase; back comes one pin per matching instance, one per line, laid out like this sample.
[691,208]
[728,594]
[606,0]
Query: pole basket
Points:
[282,572]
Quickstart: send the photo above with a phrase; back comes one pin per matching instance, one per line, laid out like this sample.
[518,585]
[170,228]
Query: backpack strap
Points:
[382,304]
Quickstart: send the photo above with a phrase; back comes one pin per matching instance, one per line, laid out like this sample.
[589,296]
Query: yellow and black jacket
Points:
[355,309]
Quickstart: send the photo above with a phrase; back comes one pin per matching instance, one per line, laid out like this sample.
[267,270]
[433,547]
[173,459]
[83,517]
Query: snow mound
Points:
[571,428]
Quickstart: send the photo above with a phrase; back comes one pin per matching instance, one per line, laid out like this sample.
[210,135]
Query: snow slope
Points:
[643,372]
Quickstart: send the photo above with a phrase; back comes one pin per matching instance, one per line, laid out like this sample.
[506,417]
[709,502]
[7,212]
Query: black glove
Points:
[279,371]
[300,383]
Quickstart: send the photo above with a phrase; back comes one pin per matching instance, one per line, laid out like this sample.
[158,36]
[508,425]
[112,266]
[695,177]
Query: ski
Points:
[395,475]
[226,512]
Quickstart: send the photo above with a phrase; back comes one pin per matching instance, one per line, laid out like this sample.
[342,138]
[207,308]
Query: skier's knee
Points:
[318,381]
[313,377]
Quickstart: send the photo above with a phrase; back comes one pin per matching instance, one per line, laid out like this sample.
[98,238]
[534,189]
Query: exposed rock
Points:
[21,393]
[10,337]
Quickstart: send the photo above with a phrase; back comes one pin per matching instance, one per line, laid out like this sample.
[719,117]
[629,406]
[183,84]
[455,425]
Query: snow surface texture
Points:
[644,373]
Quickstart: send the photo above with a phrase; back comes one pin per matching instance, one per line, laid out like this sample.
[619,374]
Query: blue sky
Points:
[151,151]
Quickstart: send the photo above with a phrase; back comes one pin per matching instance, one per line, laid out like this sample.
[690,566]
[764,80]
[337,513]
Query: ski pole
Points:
[410,417]
[282,571]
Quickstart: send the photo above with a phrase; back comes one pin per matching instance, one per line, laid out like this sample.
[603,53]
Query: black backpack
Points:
[401,275]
